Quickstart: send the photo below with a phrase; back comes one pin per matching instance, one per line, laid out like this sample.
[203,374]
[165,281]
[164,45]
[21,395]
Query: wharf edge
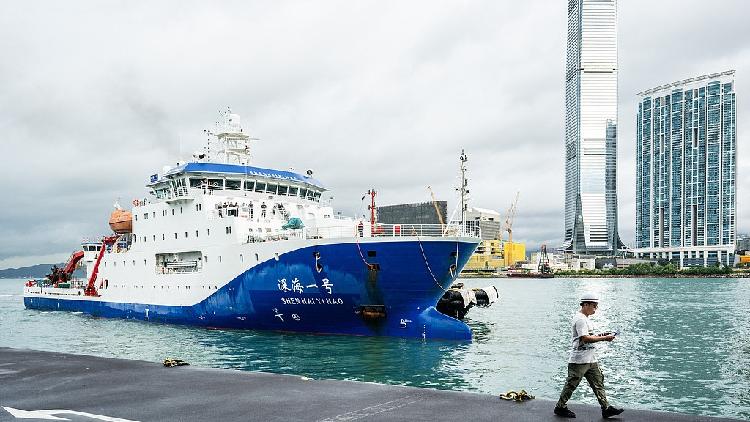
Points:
[147,391]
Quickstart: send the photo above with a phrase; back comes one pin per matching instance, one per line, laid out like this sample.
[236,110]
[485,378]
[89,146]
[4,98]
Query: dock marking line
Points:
[50,415]
[371,410]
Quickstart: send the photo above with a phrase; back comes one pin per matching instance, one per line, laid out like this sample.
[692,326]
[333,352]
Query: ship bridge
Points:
[215,178]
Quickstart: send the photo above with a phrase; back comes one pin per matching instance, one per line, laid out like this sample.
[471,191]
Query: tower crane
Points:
[509,219]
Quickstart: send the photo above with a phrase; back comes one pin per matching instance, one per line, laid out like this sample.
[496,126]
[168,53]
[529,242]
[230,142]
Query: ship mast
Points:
[463,189]
[233,144]
[373,215]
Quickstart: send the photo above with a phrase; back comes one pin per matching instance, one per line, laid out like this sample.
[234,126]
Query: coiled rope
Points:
[517,396]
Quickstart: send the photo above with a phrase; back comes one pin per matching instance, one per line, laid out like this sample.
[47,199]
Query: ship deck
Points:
[88,388]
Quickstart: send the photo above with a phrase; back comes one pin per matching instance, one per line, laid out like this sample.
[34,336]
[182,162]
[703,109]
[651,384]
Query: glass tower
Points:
[686,171]
[591,128]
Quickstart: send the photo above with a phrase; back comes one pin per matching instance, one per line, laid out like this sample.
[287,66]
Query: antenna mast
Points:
[463,189]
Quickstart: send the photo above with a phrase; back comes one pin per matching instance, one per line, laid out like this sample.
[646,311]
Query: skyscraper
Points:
[591,128]
[686,171]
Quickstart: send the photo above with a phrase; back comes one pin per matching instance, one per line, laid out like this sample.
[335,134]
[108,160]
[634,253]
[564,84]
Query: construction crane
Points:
[434,204]
[508,253]
[509,219]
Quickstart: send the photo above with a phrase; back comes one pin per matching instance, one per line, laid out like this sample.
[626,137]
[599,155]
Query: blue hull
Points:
[333,294]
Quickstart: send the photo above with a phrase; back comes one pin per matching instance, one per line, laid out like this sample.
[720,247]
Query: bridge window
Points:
[249,184]
[233,184]
[272,188]
[260,187]
[283,189]
[293,191]
[215,184]
[303,192]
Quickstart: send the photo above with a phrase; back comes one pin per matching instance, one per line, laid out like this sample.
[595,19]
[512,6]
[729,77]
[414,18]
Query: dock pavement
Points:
[38,385]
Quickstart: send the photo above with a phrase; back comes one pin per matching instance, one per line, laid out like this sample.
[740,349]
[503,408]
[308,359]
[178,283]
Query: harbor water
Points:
[684,344]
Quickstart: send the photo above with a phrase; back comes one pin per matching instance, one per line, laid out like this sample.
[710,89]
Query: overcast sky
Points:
[96,96]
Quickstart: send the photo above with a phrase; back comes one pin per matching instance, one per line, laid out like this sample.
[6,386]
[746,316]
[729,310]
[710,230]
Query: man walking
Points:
[582,362]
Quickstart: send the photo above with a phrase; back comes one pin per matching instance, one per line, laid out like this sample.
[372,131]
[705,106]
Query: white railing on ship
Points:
[395,230]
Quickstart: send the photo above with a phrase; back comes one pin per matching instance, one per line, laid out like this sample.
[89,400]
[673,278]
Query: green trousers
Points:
[592,373]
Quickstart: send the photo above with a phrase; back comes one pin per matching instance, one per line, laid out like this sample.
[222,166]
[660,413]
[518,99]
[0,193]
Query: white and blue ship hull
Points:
[324,287]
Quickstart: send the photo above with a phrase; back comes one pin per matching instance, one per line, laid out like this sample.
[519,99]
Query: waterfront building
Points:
[686,171]
[591,128]
[513,252]
[488,221]
[420,213]
[487,258]
[743,244]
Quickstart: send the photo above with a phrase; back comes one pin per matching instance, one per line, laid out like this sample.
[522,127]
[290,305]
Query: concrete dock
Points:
[54,386]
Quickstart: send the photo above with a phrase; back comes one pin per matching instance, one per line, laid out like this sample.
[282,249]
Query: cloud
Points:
[99,95]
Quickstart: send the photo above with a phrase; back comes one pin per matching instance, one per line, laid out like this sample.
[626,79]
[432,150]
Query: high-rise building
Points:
[686,171]
[591,128]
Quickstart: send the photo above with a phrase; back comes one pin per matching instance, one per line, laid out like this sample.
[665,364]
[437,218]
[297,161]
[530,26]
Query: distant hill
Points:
[34,271]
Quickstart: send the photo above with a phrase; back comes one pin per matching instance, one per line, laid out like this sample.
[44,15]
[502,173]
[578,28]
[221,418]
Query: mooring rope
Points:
[421,248]
[359,248]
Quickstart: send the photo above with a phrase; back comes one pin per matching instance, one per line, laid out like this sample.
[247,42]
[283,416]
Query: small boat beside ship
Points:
[221,243]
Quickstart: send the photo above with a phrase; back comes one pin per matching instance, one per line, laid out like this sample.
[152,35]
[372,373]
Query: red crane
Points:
[90,290]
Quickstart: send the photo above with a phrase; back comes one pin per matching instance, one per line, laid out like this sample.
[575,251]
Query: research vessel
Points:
[221,243]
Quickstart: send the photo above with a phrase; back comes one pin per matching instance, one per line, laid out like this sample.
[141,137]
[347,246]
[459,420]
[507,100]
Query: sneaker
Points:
[611,411]
[564,412]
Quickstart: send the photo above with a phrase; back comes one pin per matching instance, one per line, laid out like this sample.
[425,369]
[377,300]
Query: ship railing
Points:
[394,230]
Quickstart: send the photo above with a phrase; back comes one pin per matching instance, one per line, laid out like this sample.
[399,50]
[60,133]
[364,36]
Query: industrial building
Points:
[419,213]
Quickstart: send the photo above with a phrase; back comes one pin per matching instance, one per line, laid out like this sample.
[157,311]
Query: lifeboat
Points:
[121,221]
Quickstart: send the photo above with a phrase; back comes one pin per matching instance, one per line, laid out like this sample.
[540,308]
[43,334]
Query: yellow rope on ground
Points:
[169,362]
[516,396]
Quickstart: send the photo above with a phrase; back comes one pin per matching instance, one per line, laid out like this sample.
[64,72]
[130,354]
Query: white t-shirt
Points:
[582,352]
